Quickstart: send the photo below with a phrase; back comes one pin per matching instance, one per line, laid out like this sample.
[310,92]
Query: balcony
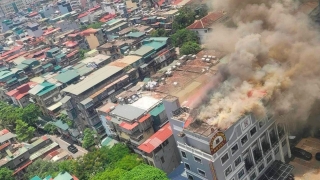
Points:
[265,147]
[257,155]
[248,164]
[273,139]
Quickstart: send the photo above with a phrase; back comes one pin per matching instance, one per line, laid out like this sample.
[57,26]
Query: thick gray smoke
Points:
[274,64]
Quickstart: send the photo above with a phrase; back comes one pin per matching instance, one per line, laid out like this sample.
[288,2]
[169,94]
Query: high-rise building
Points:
[248,149]
[10,7]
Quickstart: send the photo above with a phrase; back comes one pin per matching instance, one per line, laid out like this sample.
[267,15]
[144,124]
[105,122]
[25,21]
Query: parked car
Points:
[72,149]
[317,156]
[300,153]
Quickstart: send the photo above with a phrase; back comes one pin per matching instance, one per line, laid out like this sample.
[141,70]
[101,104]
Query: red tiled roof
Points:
[72,53]
[89,31]
[128,126]
[4,131]
[107,17]
[83,14]
[4,145]
[33,14]
[71,44]
[74,177]
[16,48]
[23,53]
[51,31]
[206,21]
[108,118]
[156,139]
[94,8]
[21,91]
[22,167]
[145,117]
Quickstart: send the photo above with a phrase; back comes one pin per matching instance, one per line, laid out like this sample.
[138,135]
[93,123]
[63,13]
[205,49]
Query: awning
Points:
[277,171]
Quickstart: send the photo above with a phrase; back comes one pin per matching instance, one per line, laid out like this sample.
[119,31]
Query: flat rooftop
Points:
[145,102]
[96,59]
[128,112]
[93,79]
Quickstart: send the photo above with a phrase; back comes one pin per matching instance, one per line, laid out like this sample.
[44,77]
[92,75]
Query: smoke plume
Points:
[273,65]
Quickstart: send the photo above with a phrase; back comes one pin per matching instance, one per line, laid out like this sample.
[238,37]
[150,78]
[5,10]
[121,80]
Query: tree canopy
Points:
[88,138]
[190,48]
[6,174]
[24,131]
[159,33]
[42,169]
[9,114]
[185,17]
[182,36]
[145,172]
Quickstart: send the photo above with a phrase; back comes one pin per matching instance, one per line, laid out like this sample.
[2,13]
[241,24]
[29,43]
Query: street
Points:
[64,145]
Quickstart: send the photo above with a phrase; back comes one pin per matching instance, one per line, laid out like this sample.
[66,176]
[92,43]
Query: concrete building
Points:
[67,25]
[12,6]
[245,150]
[20,95]
[160,150]
[45,95]
[64,7]
[83,98]
[203,26]
[94,37]
[34,30]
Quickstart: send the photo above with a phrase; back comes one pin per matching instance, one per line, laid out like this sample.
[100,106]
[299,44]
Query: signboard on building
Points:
[217,142]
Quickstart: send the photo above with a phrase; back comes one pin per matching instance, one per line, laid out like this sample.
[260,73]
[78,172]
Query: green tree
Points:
[96,162]
[64,118]
[182,36]
[50,128]
[88,138]
[185,17]
[159,33]
[23,131]
[109,174]
[30,114]
[128,162]
[82,52]
[95,25]
[190,48]
[144,172]
[6,174]
[42,169]
[67,165]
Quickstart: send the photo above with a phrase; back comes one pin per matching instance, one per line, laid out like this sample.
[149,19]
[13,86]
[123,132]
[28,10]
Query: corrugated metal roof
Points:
[128,112]
[67,76]
[92,80]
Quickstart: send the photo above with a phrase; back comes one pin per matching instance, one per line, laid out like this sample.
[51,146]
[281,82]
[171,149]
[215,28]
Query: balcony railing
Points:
[248,165]
[265,147]
[257,155]
[274,140]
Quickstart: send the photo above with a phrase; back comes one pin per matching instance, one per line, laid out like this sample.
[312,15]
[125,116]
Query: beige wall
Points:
[92,41]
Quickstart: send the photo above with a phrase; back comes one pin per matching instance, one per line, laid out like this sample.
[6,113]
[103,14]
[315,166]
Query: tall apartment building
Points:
[246,150]
[10,7]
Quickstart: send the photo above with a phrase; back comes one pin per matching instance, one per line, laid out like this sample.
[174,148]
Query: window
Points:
[187,166]
[253,176]
[284,143]
[190,177]
[234,149]
[165,142]
[240,174]
[261,167]
[224,158]
[253,131]
[162,159]
[197,159]
[244,139]
[237,161]
[269,159]
[183,154]
[202,173]
[217,141]
[276,150]
[205,31]
[228,171]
